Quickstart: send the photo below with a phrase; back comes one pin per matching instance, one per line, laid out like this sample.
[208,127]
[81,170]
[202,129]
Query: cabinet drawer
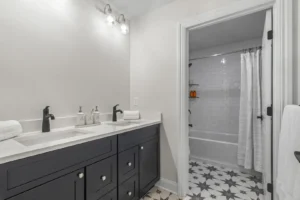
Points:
[101,178]
[128,164]
[134,138]
[68,187]
[113,195]
[22,175]
[129,190]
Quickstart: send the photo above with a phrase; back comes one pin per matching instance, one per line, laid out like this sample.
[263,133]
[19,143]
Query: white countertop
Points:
[11,150]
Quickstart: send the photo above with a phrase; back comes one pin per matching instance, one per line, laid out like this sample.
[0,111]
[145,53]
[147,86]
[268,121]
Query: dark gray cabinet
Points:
[68,187]
[145,143]
[149,165]
[122,167]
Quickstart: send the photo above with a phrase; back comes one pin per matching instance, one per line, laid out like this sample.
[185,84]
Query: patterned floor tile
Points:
[209,182]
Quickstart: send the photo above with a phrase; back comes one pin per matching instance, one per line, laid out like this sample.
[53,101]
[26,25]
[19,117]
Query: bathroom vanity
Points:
[121,166]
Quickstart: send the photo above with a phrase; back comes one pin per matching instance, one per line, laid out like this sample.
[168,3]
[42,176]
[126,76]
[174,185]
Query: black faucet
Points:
[115,111]
[46,121]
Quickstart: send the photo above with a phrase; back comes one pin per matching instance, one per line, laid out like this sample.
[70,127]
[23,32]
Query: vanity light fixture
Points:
[123,26]
[110,18]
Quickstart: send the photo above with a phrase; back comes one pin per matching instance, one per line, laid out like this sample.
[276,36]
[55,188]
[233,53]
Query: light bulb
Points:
[110,19]
[223,61]
[124,29]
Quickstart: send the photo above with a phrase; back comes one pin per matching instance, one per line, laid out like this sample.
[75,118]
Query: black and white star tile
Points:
[208,182]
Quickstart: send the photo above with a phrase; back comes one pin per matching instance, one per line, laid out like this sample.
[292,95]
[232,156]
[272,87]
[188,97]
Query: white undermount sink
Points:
[123,123]
[41,138]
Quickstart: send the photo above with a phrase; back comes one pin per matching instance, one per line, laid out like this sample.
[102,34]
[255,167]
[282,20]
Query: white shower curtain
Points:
[250,126]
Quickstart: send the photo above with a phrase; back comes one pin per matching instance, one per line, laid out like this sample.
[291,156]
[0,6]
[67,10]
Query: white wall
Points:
[297,52]
[60,53]
[153,61]
[296,36]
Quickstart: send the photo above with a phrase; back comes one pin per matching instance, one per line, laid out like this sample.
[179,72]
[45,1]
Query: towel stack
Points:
[9,129]
[131,115]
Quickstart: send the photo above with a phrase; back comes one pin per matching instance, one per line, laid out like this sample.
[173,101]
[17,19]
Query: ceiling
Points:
[134,8]
[236,30]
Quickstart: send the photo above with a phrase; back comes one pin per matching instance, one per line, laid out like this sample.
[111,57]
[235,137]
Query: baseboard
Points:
[227,165]
[168,185]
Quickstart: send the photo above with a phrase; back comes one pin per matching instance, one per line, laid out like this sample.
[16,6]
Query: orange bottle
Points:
[191,93]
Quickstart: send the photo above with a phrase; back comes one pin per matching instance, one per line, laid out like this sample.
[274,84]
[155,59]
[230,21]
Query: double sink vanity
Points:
[112,161]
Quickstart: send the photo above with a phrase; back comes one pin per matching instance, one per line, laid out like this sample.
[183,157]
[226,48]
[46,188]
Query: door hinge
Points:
[270,110]
[270,187]
[270,35]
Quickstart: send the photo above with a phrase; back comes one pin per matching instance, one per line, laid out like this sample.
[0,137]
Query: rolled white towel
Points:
[9,129]
[131,115]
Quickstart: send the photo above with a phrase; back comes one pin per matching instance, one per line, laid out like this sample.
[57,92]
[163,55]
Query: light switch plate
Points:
[135,101]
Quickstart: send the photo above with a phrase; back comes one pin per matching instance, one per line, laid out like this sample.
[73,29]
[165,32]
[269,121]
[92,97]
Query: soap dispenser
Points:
[96,116]
[89,119]
[80,117]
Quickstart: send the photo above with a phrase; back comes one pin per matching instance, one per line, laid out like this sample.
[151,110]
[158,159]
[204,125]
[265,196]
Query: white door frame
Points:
[282,70]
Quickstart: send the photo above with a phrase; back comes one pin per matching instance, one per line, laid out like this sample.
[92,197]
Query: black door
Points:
[68,187]
[149,165]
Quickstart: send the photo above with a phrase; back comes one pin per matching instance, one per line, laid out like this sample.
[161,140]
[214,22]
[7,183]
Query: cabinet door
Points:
[68,187]
[149,165]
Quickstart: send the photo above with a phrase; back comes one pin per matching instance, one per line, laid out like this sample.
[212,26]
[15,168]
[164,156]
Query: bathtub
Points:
[219,148]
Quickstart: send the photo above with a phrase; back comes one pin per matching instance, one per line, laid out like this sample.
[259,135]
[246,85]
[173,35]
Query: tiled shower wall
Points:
[217,109]
[219,79]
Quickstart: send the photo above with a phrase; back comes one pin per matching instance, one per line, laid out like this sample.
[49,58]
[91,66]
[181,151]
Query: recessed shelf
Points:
[194,84]
[194,97]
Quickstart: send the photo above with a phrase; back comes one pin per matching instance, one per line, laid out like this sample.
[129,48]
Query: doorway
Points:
[230,90]
[281,72]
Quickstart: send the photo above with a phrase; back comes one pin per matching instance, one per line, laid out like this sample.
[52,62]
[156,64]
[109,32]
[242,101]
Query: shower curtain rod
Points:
[223,54]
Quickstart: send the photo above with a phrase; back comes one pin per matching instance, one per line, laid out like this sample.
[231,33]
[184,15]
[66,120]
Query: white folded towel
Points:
[131,115]
[288,182]
[9,129]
